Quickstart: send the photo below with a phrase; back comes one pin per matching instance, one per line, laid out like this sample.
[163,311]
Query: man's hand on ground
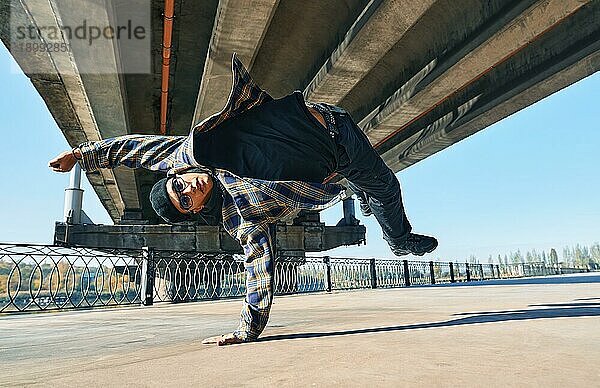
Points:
[221,340]
[63,162]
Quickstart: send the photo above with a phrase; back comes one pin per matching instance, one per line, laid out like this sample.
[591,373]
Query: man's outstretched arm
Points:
[157,153]
[260,263]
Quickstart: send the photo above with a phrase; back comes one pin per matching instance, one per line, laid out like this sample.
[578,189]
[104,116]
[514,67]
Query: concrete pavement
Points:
[522,332]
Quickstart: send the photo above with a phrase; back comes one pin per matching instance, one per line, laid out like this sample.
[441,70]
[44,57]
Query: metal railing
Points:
[42,277]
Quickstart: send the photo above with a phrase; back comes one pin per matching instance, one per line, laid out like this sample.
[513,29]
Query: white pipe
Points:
[75,177]
[73,197]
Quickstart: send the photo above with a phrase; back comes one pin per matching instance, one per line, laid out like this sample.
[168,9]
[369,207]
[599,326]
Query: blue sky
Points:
[529,181]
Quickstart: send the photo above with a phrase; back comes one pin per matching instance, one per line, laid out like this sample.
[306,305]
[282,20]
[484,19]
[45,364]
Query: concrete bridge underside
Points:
[418,75]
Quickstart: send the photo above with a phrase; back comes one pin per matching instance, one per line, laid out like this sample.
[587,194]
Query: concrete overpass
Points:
[418,75]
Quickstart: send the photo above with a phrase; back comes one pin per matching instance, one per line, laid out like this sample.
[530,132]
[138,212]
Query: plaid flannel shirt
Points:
[250,206]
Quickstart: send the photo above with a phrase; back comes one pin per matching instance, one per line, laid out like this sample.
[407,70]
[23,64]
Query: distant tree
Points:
[5,267]
[529,257]
[3,284]
[595,253]
[516,257]
[567,255]
[577,254]
[582,255]
[553,257]
[544,259]
[587,257]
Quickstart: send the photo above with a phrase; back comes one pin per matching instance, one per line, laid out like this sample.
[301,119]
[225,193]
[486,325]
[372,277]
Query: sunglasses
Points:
[178,185]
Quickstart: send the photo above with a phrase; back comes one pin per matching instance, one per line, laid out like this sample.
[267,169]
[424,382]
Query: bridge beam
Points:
[204,239]
[240,25]
[543,67]
[365,43]
[406,106]
[491,111]
[86,106]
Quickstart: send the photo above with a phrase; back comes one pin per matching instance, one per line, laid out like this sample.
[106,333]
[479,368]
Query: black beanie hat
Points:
[162,205]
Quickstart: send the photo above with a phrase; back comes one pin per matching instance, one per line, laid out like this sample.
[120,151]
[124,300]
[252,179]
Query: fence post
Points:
[373,273]
[468,272]
[147,280]
[406,273]
[431,272]
[452,280]
[327,261]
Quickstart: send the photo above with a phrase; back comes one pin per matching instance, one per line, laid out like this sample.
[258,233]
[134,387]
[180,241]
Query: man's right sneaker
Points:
[365,209]
[363,204]
[417,244]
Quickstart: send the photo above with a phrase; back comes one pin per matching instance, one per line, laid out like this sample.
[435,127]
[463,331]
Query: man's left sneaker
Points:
[363,204]
[365,209]
[417,244]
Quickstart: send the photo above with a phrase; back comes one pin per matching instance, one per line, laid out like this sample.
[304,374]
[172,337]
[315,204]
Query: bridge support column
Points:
[373,271]
[406,273]
[147,279]
[431,272]
[327,261]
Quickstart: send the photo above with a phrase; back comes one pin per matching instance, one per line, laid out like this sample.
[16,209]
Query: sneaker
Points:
[365,209]
[363,204]
[417,244]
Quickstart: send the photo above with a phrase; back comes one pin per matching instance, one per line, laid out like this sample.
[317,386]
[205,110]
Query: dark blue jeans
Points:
[367,174]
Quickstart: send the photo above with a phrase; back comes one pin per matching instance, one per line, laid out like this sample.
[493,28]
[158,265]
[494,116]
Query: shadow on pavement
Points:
[564,310]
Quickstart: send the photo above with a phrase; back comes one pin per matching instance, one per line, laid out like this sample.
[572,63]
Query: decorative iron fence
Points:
[42,277]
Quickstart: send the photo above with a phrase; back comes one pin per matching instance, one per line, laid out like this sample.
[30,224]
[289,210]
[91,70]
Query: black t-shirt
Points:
[278,140]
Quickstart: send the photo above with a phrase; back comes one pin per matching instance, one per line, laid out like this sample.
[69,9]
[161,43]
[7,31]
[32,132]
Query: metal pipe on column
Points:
[169,14]
[349,213]
[73,197]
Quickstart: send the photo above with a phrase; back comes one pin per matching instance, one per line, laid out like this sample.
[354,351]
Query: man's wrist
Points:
[89,153]
[76,152]
[243,336]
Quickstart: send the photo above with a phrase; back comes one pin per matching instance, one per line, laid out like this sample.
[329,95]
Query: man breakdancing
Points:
[255,162]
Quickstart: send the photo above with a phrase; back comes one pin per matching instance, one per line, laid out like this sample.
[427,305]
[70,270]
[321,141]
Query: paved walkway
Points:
[524,332]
